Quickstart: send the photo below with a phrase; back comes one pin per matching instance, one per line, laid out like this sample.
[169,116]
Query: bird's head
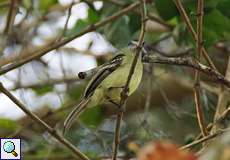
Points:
[144,47]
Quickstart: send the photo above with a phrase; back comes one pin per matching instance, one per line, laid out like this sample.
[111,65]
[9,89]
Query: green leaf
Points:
[92,116]
[93,16]
[216,27]
[43,90]
[46,4]
[8,124]
[81,24]
[134,23]
[78,27]
[26,3]
[223,7]
[76,91]
[166,9]
[118,32]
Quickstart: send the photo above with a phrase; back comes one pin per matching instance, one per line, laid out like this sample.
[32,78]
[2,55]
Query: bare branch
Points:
[149,15]
[197,89]
[67,21]
[11,16]
[204,139]
[192,31]
[189,62]
[43,124]
[19,61]
[124,93]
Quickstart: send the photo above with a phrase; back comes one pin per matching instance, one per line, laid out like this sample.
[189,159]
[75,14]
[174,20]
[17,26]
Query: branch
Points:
[11,16]
[223,100]
[189,62]
[204,139]
[149,15]
[51,46]
[44,125]
[124,93]
[197,90]
[192,31]
[67,21]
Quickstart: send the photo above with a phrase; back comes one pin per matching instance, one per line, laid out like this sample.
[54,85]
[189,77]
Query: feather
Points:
[102,74]
[75,113]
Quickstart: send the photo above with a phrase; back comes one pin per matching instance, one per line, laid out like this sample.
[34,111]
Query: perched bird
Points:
[107,83]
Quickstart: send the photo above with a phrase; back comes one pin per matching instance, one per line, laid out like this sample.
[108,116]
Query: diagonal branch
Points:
[124,93]
[43,124]
[149,15]
[192,31]
[204,139]
[19,61]
[67,21]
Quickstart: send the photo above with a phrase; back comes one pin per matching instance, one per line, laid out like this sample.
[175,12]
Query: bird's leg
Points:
[120,109]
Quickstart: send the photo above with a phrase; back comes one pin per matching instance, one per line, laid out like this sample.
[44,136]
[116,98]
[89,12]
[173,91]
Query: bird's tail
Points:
[75,113]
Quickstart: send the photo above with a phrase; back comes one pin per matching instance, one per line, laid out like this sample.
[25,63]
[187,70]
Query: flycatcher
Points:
[107,83]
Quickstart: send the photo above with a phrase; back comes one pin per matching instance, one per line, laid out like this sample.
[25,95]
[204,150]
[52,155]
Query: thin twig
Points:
[149,15]
[220,120]
[51,46]
[223,100]
[192,31]
[211,136]
[197,89]
[124,93]
[150,71]
[43,124]
[67,21]
[11,16]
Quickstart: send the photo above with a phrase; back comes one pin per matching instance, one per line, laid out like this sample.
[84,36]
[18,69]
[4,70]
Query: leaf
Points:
[43,90]
[8,124]
[46,4]
[92,116]
[166,9]
[26,3]
[216,27]
[76,91]
[81,24]
[78,27]
[134,23]
[164,150]
[93,16]
[223,7]
[118,32]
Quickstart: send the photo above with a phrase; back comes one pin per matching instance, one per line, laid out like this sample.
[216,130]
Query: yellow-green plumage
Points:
[107,85]
[117,80]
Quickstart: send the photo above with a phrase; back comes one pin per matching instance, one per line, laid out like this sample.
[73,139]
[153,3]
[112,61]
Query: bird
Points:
[108,82]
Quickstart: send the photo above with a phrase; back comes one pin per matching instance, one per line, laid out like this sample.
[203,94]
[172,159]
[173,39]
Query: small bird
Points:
[107,83]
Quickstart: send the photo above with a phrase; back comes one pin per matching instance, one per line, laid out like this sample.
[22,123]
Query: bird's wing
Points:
[103,72]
